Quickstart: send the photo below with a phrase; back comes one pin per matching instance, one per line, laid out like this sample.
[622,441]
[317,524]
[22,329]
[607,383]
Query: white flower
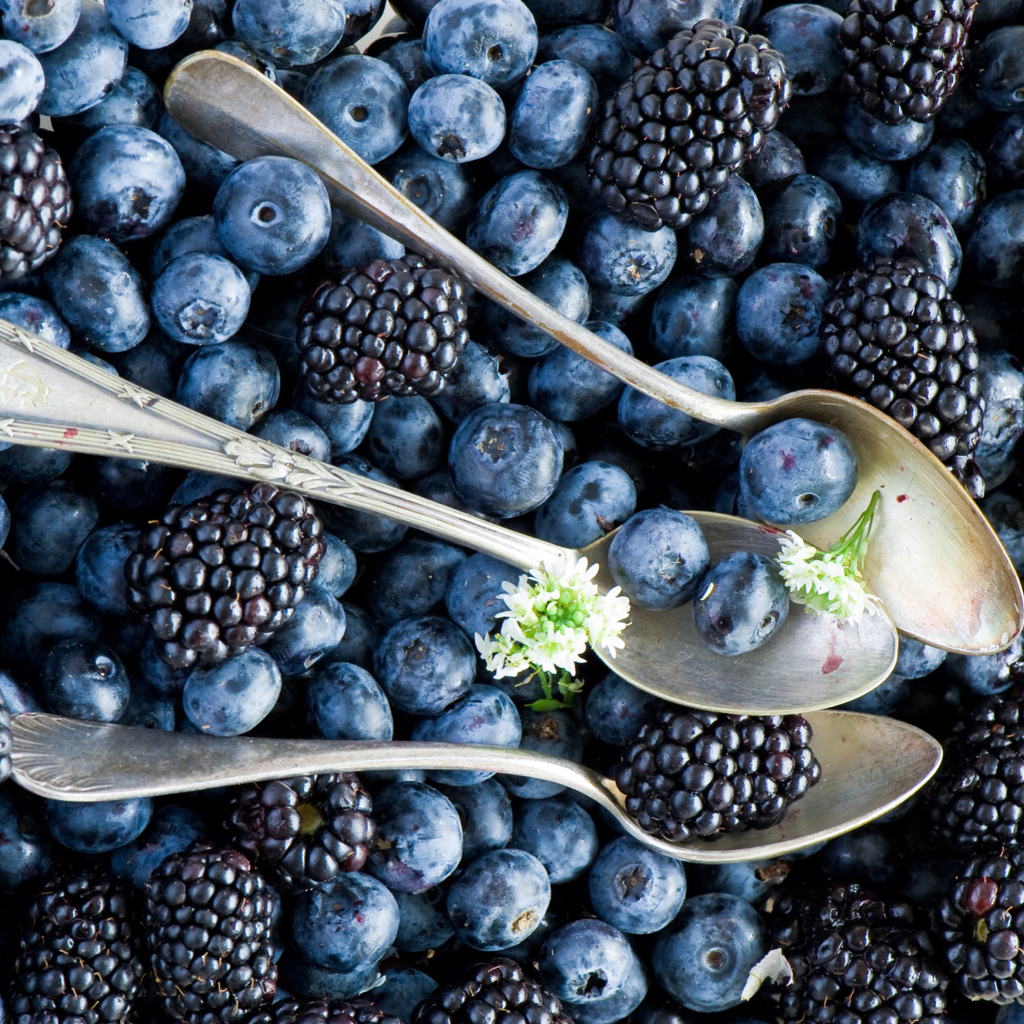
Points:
[551,617]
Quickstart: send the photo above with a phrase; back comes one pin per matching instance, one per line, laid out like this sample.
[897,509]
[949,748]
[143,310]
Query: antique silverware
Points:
[934,561]
[869,766]
[51,398]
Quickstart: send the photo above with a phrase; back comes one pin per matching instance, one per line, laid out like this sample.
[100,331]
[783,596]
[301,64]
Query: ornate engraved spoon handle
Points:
[50,398]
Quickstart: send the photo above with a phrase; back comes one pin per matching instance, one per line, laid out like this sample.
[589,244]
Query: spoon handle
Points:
[50,398]
[231,106]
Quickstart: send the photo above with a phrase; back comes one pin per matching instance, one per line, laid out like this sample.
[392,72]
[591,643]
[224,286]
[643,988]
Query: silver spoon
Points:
[935,562]
[53,399]
[869,766]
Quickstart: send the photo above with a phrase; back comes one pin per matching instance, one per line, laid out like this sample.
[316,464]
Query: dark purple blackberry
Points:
[892,336]
[495,992]
[303,832]
[80,958]
[977,800]
[699,773]
[684,121]
[902,58]
[35,201]
[856,959]
[323,1011]
[981,928]
[221,574]
[6,742]
[207,921]
[391,327]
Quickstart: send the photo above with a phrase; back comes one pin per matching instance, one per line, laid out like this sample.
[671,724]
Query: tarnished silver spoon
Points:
[934,561]
[51,398]
[869,766]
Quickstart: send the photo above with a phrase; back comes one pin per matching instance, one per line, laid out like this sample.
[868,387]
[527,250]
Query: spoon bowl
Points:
[52,398]
[869,766]
[935,562]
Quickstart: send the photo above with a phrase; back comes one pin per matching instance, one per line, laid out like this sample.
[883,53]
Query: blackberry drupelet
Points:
[977,799]
[223,573]
[207,921]
[980,923]
[684,121]
[80,957]
[305,831]
[35,201]
[495,992]
[892,335]
[323,1011]
[6,742]
[698,773]
[390,327]
[856,959]
[902,58]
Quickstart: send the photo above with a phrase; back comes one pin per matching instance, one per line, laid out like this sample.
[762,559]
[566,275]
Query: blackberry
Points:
[699,773]
[323,1011]
[687,117]
[981,928]
[892,336]
[222,574]
[977,799]
[902,58]
[35,201]
[390,327]
[303,832]
[208,918]
[80,958]
[6,742]
[856,959]
[495,992]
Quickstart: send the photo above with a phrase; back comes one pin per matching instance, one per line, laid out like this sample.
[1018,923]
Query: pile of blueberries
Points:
[185,272]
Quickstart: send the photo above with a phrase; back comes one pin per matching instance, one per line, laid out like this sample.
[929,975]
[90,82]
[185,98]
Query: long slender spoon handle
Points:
[50,398]
[232,106]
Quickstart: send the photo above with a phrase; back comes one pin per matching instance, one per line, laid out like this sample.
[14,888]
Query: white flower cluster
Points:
[552,616]
[824,581]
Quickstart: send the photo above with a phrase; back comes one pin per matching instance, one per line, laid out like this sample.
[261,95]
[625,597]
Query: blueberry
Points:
[440,188]
[298,433]
[412,579]
[163,681]
[307,981]
[615,710]
[233,696]
[951,173]
[740,603]
[618,1005]
[205,166]
[344,425]
[499,899]
[51,522]
[1005,514]
[474,595]
[338,566]
[553,114]
[567,388]
[200,298]
[316,627]
[99,567]
[986,674]
[146,709]
[40,29]
[750,880]
[618,256]
[363,101]
[365,532]
[585,960]
[885,141]
[456,118]
[405,54]
[18,697]
[866,854]
[856,177]
[993,252]
[559,833]
[26,849]
[83,68]
[656,426]
[345,924]
[404,989]
[723,240]
[485,716]
[493,40]
[519,221]
[422,922]
[424,665]
[172,829]
[704,957]
[996,68]
[23,465]
[479,378]
[290,32]
[85,679]
[807,36]
[779,158]
[406,438]
[797,471]
[645,25]
[36,316]
[634,888]
[693,316]
[1002,159]
[352,243]
[505,459]
[802,218]
[658,558]
[362,635]
[149,24]
[98,293]
[22,83]
[591,499]
[593,47]
[1002,387]
[419,837]
[559,283]
[778,312]
[344,702]
[100,826]
[135,100]
[485,811]
[235,382]
[547,732]
[273,215]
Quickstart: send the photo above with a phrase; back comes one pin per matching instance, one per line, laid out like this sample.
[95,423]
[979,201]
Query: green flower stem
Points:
[852,547]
